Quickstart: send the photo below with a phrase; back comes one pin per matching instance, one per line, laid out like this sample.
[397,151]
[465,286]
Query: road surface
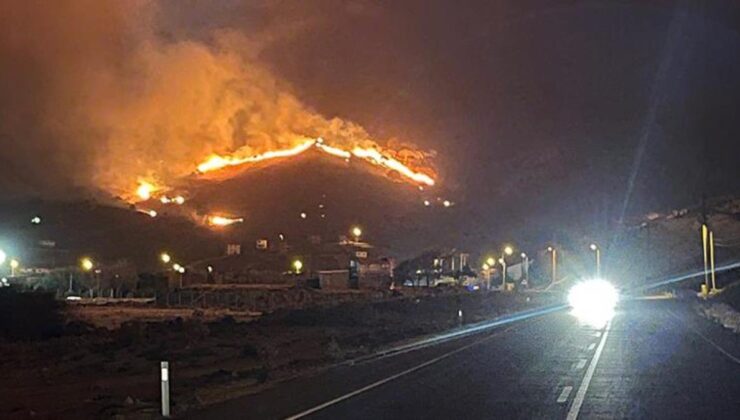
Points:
[656,359]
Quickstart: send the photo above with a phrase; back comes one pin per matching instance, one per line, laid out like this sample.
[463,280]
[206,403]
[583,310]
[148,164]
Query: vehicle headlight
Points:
[593,301]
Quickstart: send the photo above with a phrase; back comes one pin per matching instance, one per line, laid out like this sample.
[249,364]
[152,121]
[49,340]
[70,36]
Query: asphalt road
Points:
[656,359]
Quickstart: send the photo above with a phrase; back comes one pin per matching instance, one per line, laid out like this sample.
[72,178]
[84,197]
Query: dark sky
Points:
[540,105]
[541,112]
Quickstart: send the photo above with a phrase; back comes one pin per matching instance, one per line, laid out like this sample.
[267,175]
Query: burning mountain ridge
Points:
[310,194]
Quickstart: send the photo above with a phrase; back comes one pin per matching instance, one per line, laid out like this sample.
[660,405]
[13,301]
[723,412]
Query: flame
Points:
[223,220]
[150,213]
[179,200]
[145,189]
[372,155]
[216,162]
[376,157]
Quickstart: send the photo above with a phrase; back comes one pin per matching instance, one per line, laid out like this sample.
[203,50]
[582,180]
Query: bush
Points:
[29,316]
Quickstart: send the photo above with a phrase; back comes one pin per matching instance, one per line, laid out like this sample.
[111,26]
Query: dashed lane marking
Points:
[564,394]
[575,408]
[591,346]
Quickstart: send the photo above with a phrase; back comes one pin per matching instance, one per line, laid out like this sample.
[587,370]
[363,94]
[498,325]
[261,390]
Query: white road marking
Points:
[564,394]
[707,339]
[597,334]
[575,408]
[591,346]
[580,364]
[386,380]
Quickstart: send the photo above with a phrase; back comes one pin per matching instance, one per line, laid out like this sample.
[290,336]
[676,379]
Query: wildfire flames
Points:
[372,155]
[223,220]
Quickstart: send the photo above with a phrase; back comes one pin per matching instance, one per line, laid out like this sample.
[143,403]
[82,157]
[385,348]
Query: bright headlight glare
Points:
[593,301]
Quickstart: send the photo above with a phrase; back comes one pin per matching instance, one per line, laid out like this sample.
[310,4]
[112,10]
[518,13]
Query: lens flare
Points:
[593,302]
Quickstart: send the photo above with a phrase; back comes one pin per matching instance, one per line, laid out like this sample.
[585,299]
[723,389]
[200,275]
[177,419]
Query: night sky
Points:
[540,112]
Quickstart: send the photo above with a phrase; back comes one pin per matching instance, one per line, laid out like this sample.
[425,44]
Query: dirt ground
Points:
[110,368]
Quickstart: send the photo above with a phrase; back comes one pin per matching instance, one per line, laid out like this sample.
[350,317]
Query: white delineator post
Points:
[165,368]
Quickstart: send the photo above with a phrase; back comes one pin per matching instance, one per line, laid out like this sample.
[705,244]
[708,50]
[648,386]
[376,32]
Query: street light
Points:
[508,250]
[596,249]
[165,257]
[356,232]
[491,261]
[13,266]
[297,266]
[86,264]
[3,257]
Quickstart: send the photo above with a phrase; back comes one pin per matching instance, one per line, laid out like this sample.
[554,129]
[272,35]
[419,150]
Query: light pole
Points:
[87,266]
[597,250]
[554,262]
[525,267]
[507,251]
[13,266]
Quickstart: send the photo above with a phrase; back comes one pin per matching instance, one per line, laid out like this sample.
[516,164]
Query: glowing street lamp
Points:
[297,266]
[87,264]
[508,250]
[597,250]
[165,257]
[3,257]
[356,232]
[491,261]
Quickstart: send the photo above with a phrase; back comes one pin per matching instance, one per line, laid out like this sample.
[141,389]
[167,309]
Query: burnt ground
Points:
[87,371]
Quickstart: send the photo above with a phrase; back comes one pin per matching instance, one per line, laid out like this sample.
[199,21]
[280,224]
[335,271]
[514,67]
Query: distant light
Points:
[321,206]
[180,200]
[210,269]
[427,203]
[181,270]
[418,271]
[36,220]
[176,267]
[491,261]
[303,215]
[297,266]
[86,264]
[14,263]
[549,249]
[593,247]
[501,261]
[165,257]
[508,250]
[73,298]
[486,266]
[281,236]
[3,257]
[323,216]
[524,255]
[152,213]
[356,232]
[447,203]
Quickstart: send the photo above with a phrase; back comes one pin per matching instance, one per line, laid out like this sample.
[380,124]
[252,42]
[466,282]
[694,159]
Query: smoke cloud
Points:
[97,95]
